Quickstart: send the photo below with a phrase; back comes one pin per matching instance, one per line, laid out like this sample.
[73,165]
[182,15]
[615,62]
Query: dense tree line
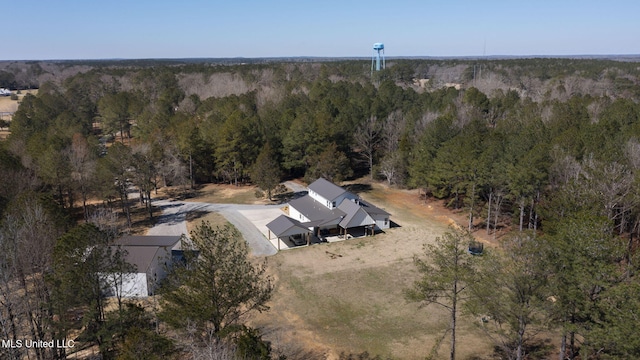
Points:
[545,147]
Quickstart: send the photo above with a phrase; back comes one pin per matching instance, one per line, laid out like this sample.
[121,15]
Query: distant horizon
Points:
[162,29]
[320,57]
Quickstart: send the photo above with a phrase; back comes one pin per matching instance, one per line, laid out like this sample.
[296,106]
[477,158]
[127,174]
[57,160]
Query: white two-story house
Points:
[330,209]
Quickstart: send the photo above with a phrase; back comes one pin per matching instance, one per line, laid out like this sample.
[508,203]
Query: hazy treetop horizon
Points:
[70,29]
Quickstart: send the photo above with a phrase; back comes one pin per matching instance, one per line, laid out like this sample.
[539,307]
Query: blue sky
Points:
[80,29]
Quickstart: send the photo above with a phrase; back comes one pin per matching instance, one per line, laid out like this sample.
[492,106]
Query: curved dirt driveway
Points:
[172,221]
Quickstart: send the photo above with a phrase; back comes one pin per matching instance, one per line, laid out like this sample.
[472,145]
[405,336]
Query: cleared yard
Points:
[348,296]
[228,194]
[195,219]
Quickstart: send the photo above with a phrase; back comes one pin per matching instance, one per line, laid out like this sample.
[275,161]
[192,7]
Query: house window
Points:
[386,222]
[333,204]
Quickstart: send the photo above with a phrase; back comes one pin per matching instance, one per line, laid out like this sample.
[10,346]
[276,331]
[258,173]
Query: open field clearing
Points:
[8,107]
[227,194]
[348,296]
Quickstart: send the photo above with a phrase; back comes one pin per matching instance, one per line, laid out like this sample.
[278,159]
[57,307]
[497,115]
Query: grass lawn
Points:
[348,296]
[217,194]
[194,219]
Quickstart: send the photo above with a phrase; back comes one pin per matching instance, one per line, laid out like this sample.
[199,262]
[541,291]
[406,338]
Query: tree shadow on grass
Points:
[140,221]
[535,350]
[288,196]
[362,356]
[195,215]
[184,194]
[358,188]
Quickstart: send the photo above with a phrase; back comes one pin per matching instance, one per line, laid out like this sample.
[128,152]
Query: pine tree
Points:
[266,170]
[217,285]
[446,272]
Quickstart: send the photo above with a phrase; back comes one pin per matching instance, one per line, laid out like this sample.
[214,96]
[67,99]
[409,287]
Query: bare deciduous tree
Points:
[83,168]
[392,168]
[367,138]
[145,173]
[27,237]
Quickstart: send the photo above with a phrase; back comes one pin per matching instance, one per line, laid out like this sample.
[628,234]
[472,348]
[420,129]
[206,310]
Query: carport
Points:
[285,227]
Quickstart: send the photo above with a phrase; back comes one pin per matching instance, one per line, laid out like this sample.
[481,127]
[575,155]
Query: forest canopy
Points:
[546,147]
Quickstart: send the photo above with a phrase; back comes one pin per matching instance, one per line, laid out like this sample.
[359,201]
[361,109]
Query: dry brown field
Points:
[347,297]
[8,107]
[227,194]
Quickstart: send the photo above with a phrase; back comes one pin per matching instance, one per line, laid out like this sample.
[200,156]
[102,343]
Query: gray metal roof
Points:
[313,210]
[326,189]
[142,250]
[371,209]
[356,215]
[286,226]
[141,256]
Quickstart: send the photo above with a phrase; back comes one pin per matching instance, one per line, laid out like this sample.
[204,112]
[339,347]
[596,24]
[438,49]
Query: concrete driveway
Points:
[172,221]
[260,218]
[250,220]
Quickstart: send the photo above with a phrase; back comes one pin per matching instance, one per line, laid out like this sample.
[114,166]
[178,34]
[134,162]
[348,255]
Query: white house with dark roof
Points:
[151,256]
[329,194]
[328,209]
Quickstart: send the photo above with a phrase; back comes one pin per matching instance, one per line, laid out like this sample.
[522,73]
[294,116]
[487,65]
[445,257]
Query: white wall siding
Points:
[295,214]
[382,222]
[129,285]
[315,196]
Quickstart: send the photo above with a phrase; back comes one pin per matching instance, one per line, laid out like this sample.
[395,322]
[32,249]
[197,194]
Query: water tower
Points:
[377,49]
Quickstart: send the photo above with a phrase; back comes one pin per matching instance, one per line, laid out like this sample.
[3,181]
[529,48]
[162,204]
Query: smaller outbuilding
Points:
[151,257]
